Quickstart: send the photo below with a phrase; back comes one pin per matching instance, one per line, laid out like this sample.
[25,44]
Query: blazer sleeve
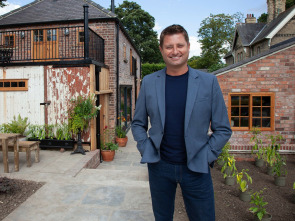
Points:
[139,124]
[219,124]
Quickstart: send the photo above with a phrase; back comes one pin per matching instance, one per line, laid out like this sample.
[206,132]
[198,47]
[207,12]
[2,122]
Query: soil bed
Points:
[229,207]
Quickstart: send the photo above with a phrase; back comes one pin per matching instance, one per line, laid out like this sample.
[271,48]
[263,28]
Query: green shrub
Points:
[17,125]
[151,68]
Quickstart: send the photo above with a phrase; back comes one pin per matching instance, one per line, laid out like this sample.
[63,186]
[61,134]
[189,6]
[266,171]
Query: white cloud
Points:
[8,8]
[195,49]
[157,27]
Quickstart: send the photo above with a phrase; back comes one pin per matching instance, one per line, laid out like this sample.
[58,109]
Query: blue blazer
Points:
[205,108]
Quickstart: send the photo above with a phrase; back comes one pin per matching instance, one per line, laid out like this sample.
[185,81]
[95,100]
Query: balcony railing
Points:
[49,44]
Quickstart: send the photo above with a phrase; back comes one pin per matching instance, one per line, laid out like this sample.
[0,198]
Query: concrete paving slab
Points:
[116,190]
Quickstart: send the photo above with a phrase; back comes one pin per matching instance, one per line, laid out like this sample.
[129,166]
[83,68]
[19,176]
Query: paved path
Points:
[115,191]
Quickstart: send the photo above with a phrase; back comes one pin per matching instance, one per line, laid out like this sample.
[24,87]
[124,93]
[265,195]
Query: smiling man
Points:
[181,104]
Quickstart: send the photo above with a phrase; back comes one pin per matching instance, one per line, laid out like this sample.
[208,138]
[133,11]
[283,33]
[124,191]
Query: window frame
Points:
[78,37]
[14,88]
[251,95]
[8,35]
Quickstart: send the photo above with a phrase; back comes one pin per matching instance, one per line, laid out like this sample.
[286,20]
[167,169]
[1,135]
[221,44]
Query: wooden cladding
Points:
[13,84]
[251,110]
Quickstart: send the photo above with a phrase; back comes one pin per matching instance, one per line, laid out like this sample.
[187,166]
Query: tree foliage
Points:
[290,3]
[139,25]
[147,68]
[2,3]
[216,35]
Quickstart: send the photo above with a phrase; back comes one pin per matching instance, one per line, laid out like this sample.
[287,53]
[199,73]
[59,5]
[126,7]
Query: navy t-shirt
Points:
[173,145]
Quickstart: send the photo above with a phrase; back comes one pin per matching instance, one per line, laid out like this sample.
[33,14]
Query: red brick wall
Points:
[274,73]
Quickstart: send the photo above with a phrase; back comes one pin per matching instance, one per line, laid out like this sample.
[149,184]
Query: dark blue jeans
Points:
[197,191]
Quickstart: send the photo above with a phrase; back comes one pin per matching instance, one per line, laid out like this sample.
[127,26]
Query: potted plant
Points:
[17,125]
[222,158]
[257,149]
[121,138]
[280,171]
[272,152]
[243,185]
[229,170]
[80,112]
[259,206]
[108,147]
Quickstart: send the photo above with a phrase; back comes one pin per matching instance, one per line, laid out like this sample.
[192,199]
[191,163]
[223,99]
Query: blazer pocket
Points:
[202,99]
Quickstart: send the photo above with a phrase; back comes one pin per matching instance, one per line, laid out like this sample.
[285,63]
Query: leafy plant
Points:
[36,132]
[257,148]
[243,182]
[6,185]
[271,153]
[229,168]
[81,111]
[17,125]
[63,132]
[279,166]
[294,186]
[107,140]
[120,129]
[257,200]
[222,158]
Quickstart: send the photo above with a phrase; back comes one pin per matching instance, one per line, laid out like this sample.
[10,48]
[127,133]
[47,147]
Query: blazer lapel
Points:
[192,90]
[160,90]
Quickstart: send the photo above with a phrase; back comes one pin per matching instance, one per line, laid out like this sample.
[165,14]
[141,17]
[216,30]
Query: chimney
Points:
[113,6]
[274,8]
[250,19]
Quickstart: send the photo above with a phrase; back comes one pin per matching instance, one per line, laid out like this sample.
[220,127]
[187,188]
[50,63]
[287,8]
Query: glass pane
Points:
[256,101]
[244,100]
[235,111]
[6,84]
[21,84]
[13,84]
[235,122]
[266,122]
[235,100]
[265,101]
[244,122]
[244,111]
[256,122]
[256,112]
[266,111]
[41,38]
[1,84]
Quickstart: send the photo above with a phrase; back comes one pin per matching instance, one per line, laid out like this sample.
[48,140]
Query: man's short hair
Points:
[173,29]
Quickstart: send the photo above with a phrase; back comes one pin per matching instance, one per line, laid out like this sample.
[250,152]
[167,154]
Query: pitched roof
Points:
[248,31]
[274,24]
[54,10]
[275,48]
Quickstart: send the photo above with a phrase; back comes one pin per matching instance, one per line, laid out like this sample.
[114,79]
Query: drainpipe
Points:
[86,33]
[117,71]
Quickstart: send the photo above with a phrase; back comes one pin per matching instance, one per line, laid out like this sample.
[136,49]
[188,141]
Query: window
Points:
[51,35]
[13,84]
[81,37]
[38,35]
[258,50]
[124,53]
[9,41]
[251,110]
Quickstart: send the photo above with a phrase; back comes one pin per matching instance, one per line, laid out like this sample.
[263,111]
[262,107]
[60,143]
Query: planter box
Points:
[54,143]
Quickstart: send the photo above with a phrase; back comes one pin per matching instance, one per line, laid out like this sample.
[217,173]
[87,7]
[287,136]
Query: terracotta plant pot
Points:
[280,180]
[107,155]
[122,141]
[245,196]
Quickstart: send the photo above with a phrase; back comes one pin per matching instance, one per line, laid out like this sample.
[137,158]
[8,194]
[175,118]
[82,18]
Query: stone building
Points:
[54,50]
[252,38]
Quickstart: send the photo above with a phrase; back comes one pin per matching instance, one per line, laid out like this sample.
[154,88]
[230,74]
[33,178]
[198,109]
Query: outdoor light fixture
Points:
[67,32]
[22,34]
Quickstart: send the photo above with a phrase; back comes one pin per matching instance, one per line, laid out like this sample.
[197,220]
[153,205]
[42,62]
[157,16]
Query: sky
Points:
[188,13]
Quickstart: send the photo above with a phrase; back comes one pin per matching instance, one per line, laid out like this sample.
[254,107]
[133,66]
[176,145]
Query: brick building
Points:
[260,92]
[252,38]
[54,50]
